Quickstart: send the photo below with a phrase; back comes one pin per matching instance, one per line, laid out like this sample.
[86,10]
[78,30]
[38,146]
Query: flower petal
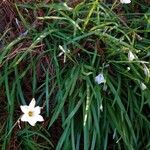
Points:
[146,71]
[125,1]
[32,103]
[39,118]
[37,110]
[32,121]
[143,86]
[131,56]
[24,117]
[24,108]
[100,79]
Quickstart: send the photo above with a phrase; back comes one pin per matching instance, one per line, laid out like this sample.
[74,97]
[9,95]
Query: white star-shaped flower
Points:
[31,113]
[100,79]
[125,1]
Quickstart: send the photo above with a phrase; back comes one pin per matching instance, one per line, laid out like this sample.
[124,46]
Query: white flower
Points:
[125,1]
[143,86]
[131,56]
[31,113]
[101,107]
[128,68]
[100,79]
[146,71]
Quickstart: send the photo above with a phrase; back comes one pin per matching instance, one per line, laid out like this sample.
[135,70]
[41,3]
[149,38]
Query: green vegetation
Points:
[55,55]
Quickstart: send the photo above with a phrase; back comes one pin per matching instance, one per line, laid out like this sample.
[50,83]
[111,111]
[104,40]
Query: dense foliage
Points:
[53,51]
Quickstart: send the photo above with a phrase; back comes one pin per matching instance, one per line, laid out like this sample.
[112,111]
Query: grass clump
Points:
[55,54]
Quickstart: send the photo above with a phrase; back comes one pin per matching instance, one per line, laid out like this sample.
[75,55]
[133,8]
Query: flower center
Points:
[30,113]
